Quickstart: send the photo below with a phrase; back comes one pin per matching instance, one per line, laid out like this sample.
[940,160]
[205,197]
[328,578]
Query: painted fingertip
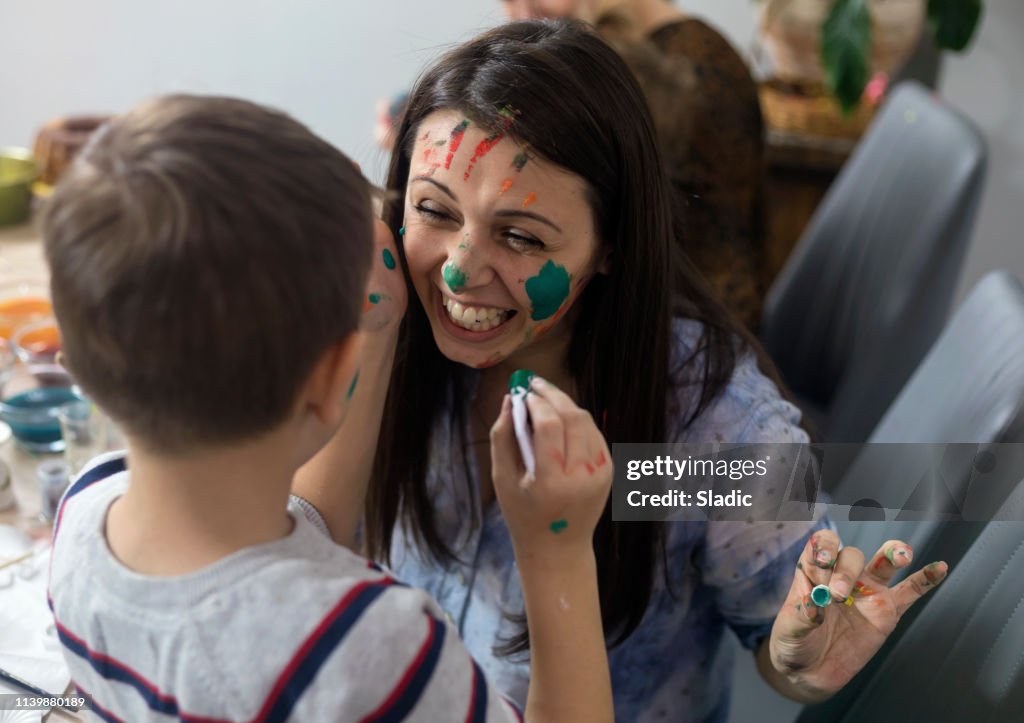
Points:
[936,572]
[899,555]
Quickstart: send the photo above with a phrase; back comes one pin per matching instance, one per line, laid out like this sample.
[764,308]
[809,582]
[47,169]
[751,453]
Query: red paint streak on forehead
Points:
[456,140]
[482,149]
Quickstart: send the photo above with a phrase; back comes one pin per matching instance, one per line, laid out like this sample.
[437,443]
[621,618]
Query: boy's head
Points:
[205,252]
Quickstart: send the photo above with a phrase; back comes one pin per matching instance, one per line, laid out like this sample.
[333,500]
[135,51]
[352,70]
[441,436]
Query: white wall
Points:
[324,61]
[987,83]
[327,61]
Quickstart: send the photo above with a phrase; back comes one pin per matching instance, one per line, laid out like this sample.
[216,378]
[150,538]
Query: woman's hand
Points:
[822,648]
[386,297]
[560,507]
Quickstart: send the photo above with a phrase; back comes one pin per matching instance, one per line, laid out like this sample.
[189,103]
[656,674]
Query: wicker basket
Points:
[811,111]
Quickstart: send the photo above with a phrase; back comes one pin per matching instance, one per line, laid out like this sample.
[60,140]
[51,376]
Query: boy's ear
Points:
[334,379]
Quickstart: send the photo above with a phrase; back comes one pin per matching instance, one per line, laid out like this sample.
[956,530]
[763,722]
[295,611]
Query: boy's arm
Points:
[335,480]
[551,519]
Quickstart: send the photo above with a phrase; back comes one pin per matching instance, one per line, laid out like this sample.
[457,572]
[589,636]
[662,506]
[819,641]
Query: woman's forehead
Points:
[448,144]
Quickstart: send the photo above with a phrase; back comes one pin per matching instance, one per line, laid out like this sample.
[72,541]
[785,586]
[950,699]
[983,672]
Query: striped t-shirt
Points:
[296,629]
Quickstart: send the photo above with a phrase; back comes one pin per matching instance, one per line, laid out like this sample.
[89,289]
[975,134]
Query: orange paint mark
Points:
[505,185]
[590,468]
[367,305]
[530,198]
[602,460]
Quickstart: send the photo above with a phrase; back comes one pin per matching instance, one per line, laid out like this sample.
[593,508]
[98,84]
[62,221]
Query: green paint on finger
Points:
[547,290]
[455,277]
[389,260]
[559,525]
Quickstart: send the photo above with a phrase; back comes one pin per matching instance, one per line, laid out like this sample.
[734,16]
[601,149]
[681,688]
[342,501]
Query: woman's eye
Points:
[523,243]
[431,213]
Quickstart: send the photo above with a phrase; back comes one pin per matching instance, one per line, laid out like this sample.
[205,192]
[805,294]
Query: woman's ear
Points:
[334,380]
[604,261]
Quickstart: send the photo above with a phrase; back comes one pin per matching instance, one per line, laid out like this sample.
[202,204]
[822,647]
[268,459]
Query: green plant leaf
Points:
[953,22]
[845,43]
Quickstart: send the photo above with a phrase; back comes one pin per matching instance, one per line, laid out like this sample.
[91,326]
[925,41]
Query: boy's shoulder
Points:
[299,625]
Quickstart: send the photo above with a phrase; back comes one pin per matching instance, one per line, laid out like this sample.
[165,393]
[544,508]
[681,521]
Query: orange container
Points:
[18,311]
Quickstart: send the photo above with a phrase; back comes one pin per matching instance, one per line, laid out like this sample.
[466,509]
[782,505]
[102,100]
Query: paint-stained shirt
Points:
[676,665]
[295,629]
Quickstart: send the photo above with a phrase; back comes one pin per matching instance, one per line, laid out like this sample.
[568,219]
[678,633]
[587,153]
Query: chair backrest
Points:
[869,285]
[969,389]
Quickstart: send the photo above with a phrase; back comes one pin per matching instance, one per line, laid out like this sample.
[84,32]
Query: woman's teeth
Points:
[475,318]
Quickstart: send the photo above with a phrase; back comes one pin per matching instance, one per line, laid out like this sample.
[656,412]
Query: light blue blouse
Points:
[674,666]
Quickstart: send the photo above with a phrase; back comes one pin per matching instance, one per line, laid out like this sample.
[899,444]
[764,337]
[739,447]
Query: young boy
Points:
[209,263]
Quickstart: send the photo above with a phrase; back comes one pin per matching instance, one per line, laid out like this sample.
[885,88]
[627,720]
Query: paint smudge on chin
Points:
[456,140]
[559,525]
[547,290]
[490,361]
[352,386]
[455,277]
[531,197]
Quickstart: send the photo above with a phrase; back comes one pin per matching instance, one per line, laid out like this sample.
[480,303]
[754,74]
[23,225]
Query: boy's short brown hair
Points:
[204,253]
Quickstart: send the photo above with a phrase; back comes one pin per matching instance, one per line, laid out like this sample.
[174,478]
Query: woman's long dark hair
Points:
[576,105]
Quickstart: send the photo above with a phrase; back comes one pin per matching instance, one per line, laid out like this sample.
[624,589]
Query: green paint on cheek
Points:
[454,277]
[374,298]
[559,525]
[389,260]
[547,290]
[352,386]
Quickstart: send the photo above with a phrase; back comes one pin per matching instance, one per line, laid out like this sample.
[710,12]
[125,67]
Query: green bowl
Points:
[18,171]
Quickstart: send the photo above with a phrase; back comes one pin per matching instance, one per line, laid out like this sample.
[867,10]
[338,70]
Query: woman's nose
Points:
[468,267]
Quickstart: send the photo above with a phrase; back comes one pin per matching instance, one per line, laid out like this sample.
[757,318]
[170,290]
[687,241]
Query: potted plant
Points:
[841,44]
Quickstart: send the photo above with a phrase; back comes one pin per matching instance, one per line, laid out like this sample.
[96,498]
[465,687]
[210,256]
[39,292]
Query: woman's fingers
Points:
[891,556]
[585,448]
[548,435]
[576,423]
[819,557]
[917,585]
[504,448]
[849,565]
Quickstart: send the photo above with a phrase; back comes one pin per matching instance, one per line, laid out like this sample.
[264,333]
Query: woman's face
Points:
[499,243]
[529,9]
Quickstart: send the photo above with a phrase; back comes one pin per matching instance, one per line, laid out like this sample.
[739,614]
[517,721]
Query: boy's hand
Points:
[385,299]
[561,507]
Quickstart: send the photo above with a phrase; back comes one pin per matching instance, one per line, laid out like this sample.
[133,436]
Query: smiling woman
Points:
[536,232]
